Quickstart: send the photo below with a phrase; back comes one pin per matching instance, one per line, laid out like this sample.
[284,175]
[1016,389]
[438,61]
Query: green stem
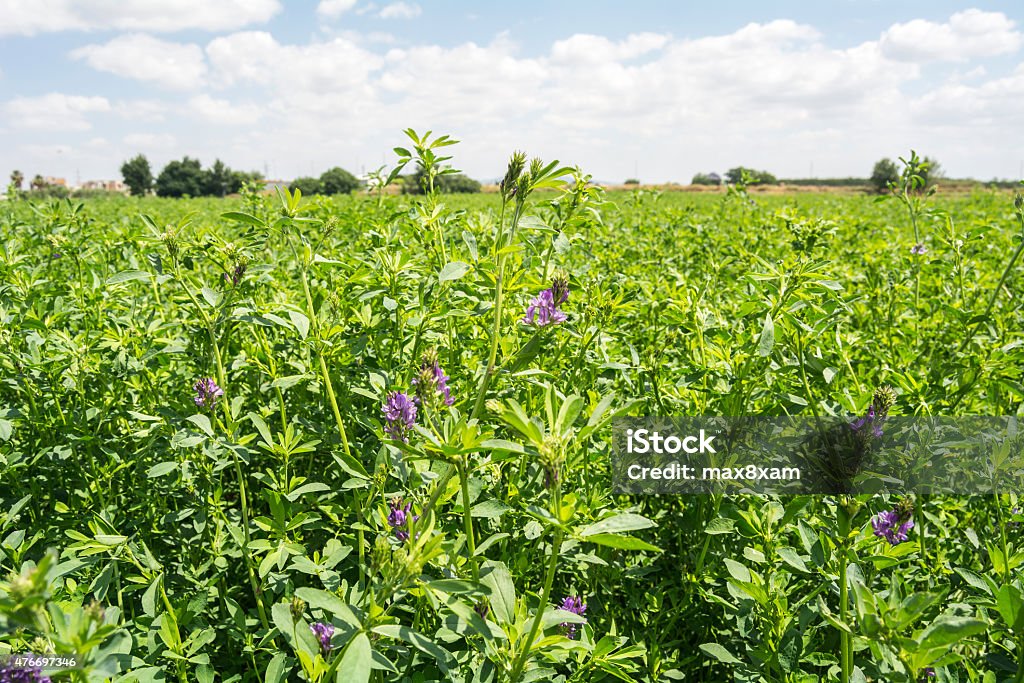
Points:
[498,301]
[846,649]
[467,519]
[549,579]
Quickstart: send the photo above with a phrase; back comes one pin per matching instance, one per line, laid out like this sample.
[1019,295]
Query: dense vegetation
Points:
[367,438]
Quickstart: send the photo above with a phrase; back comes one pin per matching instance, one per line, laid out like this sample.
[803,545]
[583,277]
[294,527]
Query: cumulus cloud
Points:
[223,111]
[400,10]
[54,111]
[256,57]
[29,17]
[968,34]
[334,8]
[141,57]
[150,141]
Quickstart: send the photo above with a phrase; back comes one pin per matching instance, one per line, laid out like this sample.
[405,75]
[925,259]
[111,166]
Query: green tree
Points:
[37,182]
[883,173]
[735,176]
[181,178]
[308,186]
[706,179]
[17,179]
[137,175]
[217,179]
[448,183]
[338,181]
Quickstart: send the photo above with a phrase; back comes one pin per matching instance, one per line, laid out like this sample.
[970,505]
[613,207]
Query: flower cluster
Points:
[22,674]
[543,310]
[892,525]
[236,274]
[574,604]
[927,675]
[919,249]
[400,415]
[207,392]
[398,518]
[431,381]
[323,632]
[881,402]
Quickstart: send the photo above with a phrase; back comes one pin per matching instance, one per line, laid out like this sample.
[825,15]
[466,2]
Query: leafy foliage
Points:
[198,480]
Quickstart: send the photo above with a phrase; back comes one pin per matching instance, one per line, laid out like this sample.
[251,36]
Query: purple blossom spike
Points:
[543,310]
[207,392]
[400,414]
[432,381]
[574,604]
[398,518]
[22,674]
[323,632]
[868,419]
[891,526]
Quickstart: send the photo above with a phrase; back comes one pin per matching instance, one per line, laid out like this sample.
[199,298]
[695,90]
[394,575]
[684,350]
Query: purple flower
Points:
[432,380]
[574,604]
[207,392]
[236,275]
[398,518]
[400,414]
[323,632]
[22,674]
[927,674]
[543,310]
[919,249]
[892,526]
[869,418]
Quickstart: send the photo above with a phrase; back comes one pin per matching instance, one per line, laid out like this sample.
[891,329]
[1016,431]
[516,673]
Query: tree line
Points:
[884,175]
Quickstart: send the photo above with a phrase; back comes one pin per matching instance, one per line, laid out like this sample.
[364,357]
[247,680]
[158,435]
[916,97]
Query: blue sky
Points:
[661,90]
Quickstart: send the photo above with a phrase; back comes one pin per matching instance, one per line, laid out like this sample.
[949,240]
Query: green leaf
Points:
[161,469]
[1011,606]
[621,542]
[201,421]
[625,521]
[355,663]
[767,340]
[503,591]
[444,659]
[127,276]
[720,525]
[947,630]
[719,652]
[453,271]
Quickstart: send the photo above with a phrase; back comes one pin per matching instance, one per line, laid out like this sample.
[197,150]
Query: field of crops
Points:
[367,438]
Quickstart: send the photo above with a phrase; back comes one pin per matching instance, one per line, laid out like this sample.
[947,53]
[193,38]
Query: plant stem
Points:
[846,649]
[549,579]
[468,519]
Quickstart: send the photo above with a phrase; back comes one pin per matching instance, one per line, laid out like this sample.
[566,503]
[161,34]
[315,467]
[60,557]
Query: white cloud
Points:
[400,10]
[256,57]
[968,34]
[223,111]
[773,95]
[29,17]
[334,8]
[55,112]
[584,48]
[150,141]
[179,66]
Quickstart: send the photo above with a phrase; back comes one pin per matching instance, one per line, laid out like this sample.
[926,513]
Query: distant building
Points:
[106,185]
[272,185]
[50,180]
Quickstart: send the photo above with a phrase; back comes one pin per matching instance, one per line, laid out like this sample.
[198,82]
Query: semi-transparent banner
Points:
[798,455]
